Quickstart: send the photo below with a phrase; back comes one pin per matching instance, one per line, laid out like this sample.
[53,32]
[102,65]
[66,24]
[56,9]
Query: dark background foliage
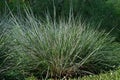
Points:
[105,11]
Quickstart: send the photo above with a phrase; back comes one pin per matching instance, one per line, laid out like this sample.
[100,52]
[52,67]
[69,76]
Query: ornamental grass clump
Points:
[63,48]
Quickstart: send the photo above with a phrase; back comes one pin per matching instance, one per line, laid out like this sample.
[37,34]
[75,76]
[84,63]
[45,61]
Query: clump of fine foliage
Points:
[64,48]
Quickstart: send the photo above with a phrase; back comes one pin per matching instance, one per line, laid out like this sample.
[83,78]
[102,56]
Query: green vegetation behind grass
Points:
[112,75]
